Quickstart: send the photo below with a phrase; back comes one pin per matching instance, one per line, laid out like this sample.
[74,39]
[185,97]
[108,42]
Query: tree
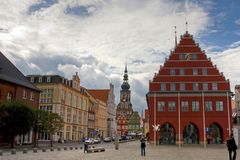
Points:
[39,123]
[54,124]
[16,118]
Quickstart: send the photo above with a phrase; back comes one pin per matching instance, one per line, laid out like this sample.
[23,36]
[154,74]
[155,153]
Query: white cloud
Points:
[237,21]
[114,32]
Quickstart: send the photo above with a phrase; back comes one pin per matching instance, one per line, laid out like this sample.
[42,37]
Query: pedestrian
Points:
[232,147]
[143,147]
[85,147]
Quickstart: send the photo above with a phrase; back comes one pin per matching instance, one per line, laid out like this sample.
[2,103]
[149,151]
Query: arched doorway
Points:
[190,134]
[167,134]
[214,134]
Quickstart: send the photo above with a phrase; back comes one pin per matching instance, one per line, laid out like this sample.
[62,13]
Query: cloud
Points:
[96,38]
[237,21]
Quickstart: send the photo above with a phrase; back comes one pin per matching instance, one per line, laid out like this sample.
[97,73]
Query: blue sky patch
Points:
[43,4]
[82,11]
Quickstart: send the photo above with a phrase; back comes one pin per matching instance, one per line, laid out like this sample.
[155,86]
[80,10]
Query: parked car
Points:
[89,141]
[96,141]
[107,139]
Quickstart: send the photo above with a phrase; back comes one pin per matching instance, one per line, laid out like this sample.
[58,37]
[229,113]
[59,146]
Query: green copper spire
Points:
[125,85]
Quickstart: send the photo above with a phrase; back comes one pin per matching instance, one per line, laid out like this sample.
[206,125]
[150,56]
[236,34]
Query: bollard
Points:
[71,148]
[76,148]
[44,150]
[1,152]
[65,148]
[59,149]
[81,147]
[35,150]
[52,149]
[24,150]
[13,151]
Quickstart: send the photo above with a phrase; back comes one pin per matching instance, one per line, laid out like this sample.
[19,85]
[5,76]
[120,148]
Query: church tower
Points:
[124,108]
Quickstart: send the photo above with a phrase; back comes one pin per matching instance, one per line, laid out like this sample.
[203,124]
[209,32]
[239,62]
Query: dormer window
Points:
[32,79]
[48,79]
[40,79]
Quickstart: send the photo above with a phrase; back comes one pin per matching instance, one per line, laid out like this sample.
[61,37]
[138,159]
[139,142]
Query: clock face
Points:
[188,56]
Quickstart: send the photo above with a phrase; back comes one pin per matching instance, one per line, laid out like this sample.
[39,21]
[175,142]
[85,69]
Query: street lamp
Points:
[156,128]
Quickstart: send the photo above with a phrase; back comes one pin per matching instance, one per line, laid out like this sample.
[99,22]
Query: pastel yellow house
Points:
[69,100]
[101,112]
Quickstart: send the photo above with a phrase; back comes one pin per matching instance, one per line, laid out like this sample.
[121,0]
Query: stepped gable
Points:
[188,55]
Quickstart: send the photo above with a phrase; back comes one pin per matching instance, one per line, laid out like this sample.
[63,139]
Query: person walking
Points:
[232,147]
[143,147]
[85,147]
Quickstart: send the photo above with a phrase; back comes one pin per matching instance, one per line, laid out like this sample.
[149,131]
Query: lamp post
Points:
[156,128]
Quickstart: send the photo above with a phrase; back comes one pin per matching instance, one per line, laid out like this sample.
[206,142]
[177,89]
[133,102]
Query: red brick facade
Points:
[192,98]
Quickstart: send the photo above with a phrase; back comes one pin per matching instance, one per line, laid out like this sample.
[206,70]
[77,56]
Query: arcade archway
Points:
[190,134]
[167,134]
[214,134]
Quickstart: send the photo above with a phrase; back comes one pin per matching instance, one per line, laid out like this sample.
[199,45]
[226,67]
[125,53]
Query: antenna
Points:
[175,35]
[186,25]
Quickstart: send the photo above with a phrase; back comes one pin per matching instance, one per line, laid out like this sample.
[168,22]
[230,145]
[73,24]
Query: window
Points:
[219,105]
[184,106]
[24,96]
[208,106]
[181,56]
[48,79]
[204,71]
[194,56]
[32,79]
[173,86]
[163,86]
[195,106]
[9,96]
[46,108]
[205,86]
[181,71]
[172,72]
[182,87]
[195,86]
[171,106]
[195,71]
[160,106]
[40,79]
[214,86]
[31,96]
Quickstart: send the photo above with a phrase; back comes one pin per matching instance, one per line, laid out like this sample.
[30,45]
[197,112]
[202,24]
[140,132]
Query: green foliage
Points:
[54,123]
[15,118]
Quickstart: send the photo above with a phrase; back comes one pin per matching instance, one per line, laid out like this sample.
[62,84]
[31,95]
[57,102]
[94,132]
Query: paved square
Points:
[130,151]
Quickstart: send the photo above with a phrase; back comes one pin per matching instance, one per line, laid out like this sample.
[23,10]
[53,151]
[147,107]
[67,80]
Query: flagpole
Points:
[179,120]
[154,117]
[204,121]
[229,129]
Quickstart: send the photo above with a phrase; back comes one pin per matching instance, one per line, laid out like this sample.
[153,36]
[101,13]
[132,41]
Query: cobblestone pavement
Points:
[130,151]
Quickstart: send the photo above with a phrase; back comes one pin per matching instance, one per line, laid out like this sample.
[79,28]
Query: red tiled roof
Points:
[101,94]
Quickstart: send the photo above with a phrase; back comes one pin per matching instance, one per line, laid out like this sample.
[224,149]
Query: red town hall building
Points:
[189,98]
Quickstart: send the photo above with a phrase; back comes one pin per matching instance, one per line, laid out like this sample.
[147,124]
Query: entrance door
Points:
[190,134]
[167,134]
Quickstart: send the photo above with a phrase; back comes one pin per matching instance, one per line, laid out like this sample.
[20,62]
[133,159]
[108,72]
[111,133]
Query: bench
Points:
[92,149]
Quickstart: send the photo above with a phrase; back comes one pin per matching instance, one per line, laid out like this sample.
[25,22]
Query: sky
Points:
[97,37]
